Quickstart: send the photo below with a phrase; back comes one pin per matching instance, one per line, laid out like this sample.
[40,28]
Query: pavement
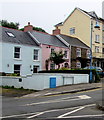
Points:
[66,89]
[70,89]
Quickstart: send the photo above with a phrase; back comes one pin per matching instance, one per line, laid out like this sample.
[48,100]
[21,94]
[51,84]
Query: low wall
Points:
[40,81]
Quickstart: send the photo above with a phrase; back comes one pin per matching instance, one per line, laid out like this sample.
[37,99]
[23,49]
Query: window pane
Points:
[103,50]
[72,31]
[97,49]
[16,52]
[35,54]
[16,55]
[97,38]
[52,66]
[10,34]
[17,49]
[17,69]
[78,65]
[65,54]
[52,50]
[78,52]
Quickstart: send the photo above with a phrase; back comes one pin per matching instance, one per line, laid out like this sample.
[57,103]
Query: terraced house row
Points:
[85,25]
[27,52]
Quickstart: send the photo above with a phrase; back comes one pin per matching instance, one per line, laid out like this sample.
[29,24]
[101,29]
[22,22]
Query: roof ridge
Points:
[12,28]
[69,36]
[41,32]
[75,38]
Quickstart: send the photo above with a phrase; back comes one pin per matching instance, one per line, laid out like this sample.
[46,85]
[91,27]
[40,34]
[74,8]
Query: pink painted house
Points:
[49,43]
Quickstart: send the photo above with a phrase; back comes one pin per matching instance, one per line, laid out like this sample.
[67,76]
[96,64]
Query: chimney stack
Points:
[56,31]
[28,27]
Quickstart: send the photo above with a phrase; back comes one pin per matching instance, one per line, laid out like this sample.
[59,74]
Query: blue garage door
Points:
[53,82]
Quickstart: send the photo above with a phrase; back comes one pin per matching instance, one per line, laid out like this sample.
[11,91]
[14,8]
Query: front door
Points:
[17,69]
[35,69]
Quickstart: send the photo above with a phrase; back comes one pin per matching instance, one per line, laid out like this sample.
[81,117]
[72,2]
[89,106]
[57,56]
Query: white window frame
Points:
[52,65]
[66,54]
[78,52]
[97,49]
[36,55]
[78,64]
[52,50]
[97,38]
[17,52]
[72,30]
[88,54]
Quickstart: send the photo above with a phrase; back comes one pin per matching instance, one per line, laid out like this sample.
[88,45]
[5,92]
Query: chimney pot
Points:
[28,27]
[28,23]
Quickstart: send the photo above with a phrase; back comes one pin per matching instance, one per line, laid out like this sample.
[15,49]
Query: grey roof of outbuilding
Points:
[48,39]
[73,41]
[20,37]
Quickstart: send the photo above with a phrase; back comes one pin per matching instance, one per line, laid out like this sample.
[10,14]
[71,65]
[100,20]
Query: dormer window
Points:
[10,34]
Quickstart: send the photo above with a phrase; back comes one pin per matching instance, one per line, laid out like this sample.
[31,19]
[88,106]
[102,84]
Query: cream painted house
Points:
[78,24]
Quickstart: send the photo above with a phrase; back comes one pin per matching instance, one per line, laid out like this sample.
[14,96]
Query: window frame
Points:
[36,55]
[17,52]
[97,38]
[72,30]
[88,53]
[103,50]
[78,52]
[66,54]
[97,49]
[78,66]
[52,66]
[18,71]
[52,50]
[10,34]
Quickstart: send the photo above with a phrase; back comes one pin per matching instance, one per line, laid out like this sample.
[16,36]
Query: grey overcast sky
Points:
[44,13]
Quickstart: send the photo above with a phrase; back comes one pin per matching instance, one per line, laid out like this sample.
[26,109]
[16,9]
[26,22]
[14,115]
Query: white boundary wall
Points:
[40,81]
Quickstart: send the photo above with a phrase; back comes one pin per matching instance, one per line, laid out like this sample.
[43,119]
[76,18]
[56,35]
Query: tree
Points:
[5,23]
[39,29]
[57,58]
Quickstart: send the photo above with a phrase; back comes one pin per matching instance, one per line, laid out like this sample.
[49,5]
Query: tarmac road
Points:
[81,105]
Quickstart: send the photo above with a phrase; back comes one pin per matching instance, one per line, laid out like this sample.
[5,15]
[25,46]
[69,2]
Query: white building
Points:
[19,53]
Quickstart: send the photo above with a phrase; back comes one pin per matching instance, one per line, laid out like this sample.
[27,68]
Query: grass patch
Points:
[14,92]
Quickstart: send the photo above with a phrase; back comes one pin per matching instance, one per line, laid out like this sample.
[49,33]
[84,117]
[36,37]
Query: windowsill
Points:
[66,58]
[18,59]
[36,60]
[97,42]
[78,56]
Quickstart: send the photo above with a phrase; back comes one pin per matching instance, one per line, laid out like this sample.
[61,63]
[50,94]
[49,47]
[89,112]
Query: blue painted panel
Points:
[53,82]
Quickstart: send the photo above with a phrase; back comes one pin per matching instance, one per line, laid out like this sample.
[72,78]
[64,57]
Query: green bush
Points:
[63,68]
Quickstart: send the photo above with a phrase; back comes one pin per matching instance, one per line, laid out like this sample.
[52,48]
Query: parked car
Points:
[99,70]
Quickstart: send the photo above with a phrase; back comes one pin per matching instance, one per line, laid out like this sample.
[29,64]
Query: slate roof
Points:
[48,39]
[74,41]
[20,37]
[90,14]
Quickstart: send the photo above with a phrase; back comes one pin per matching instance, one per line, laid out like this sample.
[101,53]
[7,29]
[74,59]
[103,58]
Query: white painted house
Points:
[19,53]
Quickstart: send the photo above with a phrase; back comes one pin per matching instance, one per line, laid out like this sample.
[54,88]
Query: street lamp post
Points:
[96,26]
[91,77]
